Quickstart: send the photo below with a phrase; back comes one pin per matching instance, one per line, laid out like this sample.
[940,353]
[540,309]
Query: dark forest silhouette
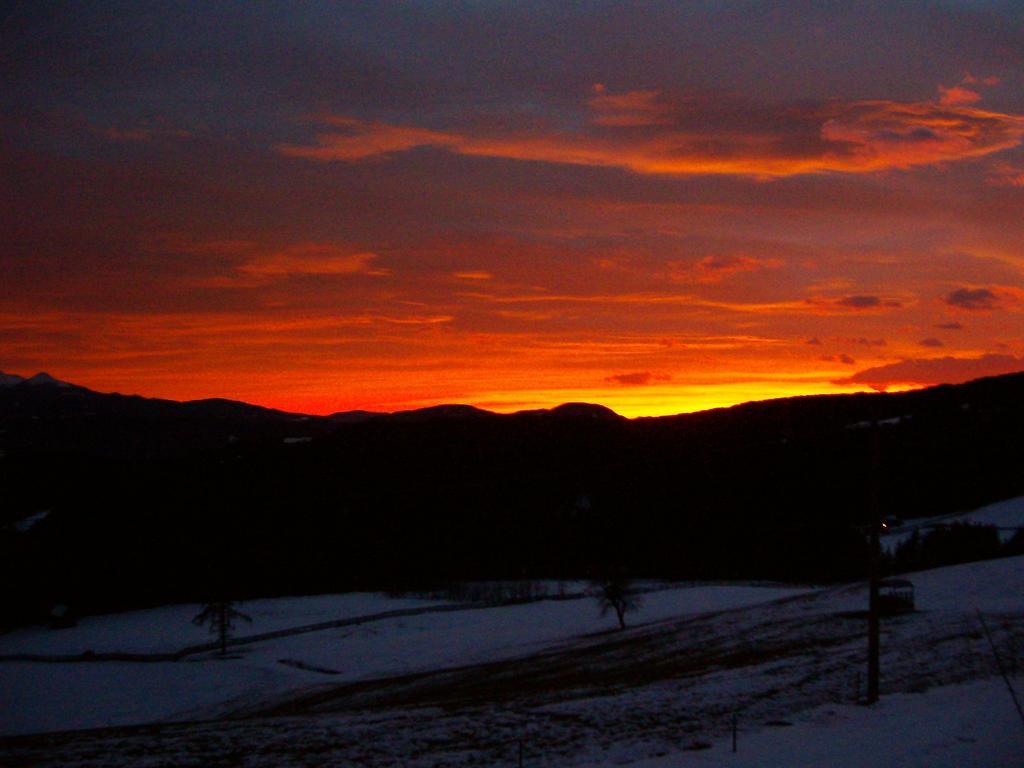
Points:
[141,490]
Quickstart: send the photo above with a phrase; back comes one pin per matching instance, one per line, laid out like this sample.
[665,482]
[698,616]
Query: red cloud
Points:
[957,96]
[960,95]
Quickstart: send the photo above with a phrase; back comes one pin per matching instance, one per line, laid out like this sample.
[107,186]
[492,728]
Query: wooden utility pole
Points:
[875,521]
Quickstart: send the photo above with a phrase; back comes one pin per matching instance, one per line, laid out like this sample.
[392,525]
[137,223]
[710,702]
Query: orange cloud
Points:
[650,134]
[884,134]
[322,259]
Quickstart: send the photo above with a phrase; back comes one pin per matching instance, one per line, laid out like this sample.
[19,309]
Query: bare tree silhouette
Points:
[221,616]
[615,593]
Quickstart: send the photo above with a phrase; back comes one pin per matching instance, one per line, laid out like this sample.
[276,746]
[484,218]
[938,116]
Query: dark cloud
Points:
[846,360]
[914,135]
[931,341]
[400,55]
[860,302]
[950,326]
[938,370]
[814,341]
[716,268]
[972,298]
[640,379]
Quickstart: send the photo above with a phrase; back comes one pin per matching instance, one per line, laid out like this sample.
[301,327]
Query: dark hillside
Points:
[153,500]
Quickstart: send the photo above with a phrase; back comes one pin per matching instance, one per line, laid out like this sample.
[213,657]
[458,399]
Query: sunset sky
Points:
[660,207]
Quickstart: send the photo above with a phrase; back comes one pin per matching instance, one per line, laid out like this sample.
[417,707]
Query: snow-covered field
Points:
[955,726]
[170,628]
[123,693]
[468,687]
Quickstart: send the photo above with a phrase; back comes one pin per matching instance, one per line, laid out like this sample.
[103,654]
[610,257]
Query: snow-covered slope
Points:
[169,628]
[1005,515]
[121,693]
[465,687]
[955,726]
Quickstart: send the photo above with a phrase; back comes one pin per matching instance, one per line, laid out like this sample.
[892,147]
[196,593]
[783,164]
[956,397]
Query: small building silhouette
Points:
[895,596]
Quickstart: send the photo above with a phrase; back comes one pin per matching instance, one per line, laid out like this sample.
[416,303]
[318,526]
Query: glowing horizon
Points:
[627,402]
[390,207]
